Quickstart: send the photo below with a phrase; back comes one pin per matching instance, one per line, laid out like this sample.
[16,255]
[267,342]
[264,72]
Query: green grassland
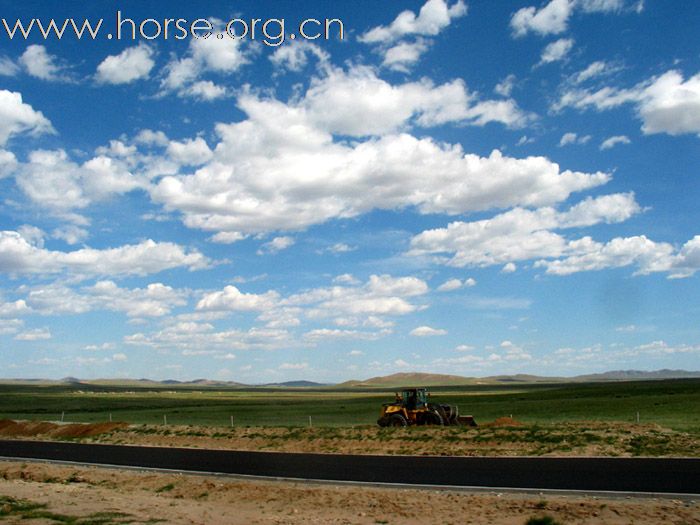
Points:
[673,404]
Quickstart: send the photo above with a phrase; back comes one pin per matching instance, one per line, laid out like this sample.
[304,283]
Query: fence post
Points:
[310,426]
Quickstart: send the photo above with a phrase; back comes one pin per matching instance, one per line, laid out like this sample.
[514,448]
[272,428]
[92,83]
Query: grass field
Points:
[673,404]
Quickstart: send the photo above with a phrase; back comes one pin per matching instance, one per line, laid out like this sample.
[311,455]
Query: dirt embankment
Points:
[503,437]
[10,428]
[33,493]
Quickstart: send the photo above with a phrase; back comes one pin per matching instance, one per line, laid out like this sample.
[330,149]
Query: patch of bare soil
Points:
[10,428]
[145,497]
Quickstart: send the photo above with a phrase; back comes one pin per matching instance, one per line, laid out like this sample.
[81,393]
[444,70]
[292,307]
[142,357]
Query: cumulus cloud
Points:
[611,142]
[404,55]
[40,64]
[427,331]
[17,256]
[557,50]
[570,138]
[132,64]
[553,18]
[276,245]
[433,17]
[191,338]
[455,284]
[232,299]
[297,175]
[520,234]
[52,180]
[155,300]
[665,104]
[38,334]
[18,117]
[204,55]
[194,152]
[7,67]
[294,55]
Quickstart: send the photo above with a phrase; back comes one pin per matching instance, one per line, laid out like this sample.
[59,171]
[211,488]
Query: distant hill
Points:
[422,379]
[409,379]
[637,375]
[297,384]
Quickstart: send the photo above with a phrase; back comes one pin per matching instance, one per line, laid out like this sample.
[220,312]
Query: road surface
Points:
[657,475]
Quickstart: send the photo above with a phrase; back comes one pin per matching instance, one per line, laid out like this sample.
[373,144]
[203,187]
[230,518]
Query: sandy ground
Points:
[147,497]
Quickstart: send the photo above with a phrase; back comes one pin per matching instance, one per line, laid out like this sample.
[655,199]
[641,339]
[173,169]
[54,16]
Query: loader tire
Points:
[434,418]
[397,420]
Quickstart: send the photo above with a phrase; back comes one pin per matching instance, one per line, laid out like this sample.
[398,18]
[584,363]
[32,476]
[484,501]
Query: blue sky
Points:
[474,188]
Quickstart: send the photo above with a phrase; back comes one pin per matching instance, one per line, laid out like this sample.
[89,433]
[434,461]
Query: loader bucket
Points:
[467,421]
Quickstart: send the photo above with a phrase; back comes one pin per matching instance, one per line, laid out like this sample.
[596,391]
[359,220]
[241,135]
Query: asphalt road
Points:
[592,474]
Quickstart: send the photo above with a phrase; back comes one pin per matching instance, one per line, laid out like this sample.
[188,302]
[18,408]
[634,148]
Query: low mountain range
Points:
[389,381]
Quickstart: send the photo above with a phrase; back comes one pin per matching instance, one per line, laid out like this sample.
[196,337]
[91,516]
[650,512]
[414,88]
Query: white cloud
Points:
[671,105]
[601,6]
[18,117]
[404,55]
[572,138]
[132,64]
[205,90]
[509,268]
[296,175]
[665,104]
[17,256]
[205,55]
[8,163]
[227,237]
[505,86]
[553,18]
[464,348]
[40,64]
[294,55]
[550,19]
[557,50]
[380,295]
[294,366]
[276,245]
[53,181]
[346,278]
[194,152]
[595,69]
[611,142]
[7,67]
[232,299]
[433,17]
[192,337]
[11,326]
[339,248]
[120,357]
[365,104]
[14,309]
[520,234]
[427,331]
[38,334]
[450,285]
[70,233]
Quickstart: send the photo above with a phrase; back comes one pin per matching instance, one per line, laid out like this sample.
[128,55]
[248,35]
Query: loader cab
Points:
[414,398]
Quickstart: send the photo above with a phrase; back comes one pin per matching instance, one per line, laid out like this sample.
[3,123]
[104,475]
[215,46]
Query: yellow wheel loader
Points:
[411,407]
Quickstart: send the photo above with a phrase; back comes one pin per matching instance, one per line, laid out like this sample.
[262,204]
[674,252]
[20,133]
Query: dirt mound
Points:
[9,427]
[503,422]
